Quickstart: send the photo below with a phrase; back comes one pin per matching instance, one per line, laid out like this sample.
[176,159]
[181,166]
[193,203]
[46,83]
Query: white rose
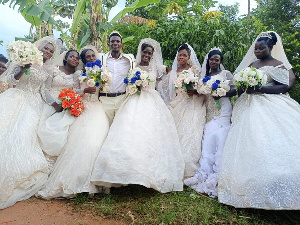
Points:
[225,85]
[209,83]
[97,68]
[105,77]
[182,77]
[145,83]
[91,83]
[252,73]
[187,80]
[178,83]
[132,89]
[252,82]
[144,75]
[221,92]
[138,82]
[204,89]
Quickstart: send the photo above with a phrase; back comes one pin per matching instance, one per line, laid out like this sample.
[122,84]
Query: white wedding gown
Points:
[260,165]
[54,126]
[23,167]
[142,146]
[215,133]
[73,168]
[189,116]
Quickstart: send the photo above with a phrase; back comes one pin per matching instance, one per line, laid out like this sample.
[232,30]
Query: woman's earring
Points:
[189,62]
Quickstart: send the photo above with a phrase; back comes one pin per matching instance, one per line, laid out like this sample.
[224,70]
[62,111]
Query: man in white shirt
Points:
[119,65]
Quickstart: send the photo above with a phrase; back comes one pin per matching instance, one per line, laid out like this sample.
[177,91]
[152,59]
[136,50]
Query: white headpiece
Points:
[156,61]
[173,73]
[277,53]
[203,71]
[45,40]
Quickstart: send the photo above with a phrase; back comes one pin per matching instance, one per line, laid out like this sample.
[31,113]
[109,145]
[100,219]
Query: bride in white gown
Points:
[215,130]
[54,123]
[188,111]
[142,146]
[73,168]
[260,166]
[23,166]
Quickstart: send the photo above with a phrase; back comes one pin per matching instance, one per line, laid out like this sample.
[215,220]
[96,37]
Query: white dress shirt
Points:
[119,69]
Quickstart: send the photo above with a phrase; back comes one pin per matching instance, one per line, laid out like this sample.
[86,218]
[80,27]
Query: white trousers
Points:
[111,105]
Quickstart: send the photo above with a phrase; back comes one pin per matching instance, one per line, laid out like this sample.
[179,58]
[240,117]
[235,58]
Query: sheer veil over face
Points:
[44,41]
[277,53]
[173,73]
[156,61]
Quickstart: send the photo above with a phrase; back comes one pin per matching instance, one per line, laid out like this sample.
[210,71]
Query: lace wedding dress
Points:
[73,168]
[23,166]
[260,163]
[54,126]
[142,146]
[189,116]
[214,137]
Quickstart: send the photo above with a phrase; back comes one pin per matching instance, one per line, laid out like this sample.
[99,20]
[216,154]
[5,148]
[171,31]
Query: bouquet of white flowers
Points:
[23,53]
[214,86]
[96,75]
[250,77]
[136,80]
[186,80]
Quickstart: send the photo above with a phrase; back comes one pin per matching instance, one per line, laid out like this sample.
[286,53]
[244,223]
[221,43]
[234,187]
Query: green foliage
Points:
[130,8]
[158,11]
[138,205]
[231,11]
[1,43]
[230,36]
[33,12]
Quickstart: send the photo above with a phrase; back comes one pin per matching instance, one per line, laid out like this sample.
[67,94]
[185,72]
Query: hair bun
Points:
[274,38]
[183,46]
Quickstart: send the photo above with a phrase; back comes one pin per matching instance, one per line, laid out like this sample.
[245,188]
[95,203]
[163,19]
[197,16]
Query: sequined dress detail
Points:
[260,164]
[23,167]
[189,116]
[142,146]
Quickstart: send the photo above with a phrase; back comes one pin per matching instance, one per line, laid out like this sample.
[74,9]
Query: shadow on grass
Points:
[140,205]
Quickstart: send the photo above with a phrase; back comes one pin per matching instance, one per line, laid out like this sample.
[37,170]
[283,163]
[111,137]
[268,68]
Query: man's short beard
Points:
[115,51]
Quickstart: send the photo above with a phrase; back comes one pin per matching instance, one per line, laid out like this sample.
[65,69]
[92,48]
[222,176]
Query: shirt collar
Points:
[110,56]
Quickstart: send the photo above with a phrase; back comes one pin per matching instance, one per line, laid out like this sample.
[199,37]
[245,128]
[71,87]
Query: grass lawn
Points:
[139,205]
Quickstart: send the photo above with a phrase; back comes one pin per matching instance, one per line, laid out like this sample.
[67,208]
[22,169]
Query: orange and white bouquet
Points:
[71,101]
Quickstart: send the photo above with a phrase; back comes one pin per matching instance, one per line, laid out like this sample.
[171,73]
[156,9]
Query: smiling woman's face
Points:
[146,55]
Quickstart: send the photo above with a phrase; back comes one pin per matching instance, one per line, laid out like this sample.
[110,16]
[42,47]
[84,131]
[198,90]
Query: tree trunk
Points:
[96,18]
[248,24]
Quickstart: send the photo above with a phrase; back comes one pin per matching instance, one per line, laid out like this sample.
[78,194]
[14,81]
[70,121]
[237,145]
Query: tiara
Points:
[215,48]
[265,34]
[115,32]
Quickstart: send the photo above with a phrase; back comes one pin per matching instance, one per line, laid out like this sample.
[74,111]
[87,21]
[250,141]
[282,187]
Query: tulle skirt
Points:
[142,147]
[189,116]
[73,168]
[23,167]
[260,164]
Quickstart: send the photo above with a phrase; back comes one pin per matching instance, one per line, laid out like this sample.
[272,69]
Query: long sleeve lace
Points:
[77,87]
[45,91]
[9,75]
